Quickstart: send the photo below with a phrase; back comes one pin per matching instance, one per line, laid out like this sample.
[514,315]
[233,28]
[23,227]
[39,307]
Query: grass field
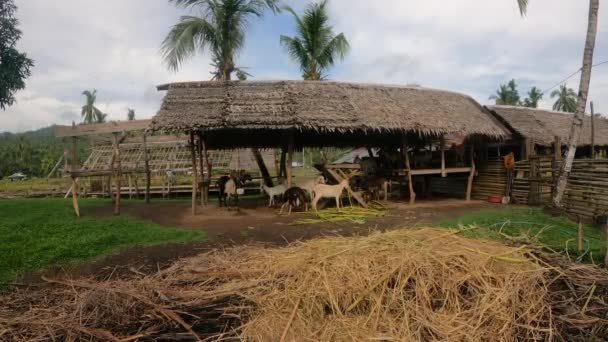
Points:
[41,232]
[533,225]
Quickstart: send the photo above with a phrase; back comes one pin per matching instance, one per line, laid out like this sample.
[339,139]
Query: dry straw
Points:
[424,284]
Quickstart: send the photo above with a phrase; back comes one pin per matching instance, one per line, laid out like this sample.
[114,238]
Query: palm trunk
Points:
[577,122]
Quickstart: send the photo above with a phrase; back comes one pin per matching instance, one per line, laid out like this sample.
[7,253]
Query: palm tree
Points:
[566,99]
[130,114]
[534,95]
[90,113]
[101,117]
[507,94]
[315,47]
[220,30]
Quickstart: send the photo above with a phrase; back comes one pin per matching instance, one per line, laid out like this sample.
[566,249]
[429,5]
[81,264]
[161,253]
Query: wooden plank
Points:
[101,128]
[420,172]
[74,181]
[350,166]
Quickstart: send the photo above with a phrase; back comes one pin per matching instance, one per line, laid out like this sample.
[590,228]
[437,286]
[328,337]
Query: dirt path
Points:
[253,224]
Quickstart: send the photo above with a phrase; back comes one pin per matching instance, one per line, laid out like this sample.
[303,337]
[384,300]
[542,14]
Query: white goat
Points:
[329,191]
[273,192]
[230,192]
[309,185]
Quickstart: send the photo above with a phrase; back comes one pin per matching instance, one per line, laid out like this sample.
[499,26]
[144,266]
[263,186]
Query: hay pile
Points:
[426,284]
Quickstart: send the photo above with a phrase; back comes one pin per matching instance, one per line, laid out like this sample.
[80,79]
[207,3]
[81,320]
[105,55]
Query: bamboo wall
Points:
[587,191]
[523,180]
[491,179]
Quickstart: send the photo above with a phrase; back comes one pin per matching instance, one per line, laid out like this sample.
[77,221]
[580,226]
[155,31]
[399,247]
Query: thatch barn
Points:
[295,114]
[540,128]
[242,114]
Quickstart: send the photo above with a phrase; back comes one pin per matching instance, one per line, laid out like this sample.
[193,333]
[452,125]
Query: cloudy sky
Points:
[468,46]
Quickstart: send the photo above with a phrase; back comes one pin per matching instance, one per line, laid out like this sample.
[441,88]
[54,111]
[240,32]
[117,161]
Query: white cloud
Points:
[462,45]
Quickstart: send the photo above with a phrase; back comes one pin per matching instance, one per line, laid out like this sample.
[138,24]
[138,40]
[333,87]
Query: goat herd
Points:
[303,193]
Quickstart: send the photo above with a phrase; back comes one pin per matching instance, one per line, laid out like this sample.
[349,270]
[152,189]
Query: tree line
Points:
[508,95]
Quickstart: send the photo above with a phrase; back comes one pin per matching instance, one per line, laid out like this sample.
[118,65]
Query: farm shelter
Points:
[540,128]
[296,114]
[125,151]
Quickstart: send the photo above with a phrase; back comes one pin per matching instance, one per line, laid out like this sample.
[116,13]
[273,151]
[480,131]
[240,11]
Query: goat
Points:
[295,197]
[329,191]
[375,185]
[228,185]
[308,185]
[275,191]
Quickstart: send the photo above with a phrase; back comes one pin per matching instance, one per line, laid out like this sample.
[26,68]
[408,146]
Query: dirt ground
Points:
[254,223]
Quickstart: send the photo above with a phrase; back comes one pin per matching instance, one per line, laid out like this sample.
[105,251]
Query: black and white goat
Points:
[227,187]
[295,197]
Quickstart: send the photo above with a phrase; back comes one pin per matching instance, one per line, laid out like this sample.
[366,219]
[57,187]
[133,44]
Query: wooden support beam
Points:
[471,175]
[442,143]
[201,168]
[209,166]
[282,164]
[262,166]
[118,174]
[290,143]
[406,155]
[101,128]
[147,166]
[194,173]
[556,163]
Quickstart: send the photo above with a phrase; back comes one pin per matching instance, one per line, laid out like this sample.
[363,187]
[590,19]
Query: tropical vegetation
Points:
[508,95]
[33,153]
[565,99]
[130,114]
[91,114]
[219,29]
[534,96]
[14,65]
[315,47]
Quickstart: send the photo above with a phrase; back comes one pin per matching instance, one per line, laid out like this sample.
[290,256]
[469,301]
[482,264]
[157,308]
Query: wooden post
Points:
[579,240]
[147,166]
[442,143]
[207,162]
[194,173]
[471,174]
[289,174]
[201,184]
[74,180]
[406,155]
[136,187]
[262,166]
[282,162]
[592,131]
[118,174]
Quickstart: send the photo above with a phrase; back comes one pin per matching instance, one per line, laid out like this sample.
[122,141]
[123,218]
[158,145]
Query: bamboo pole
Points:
[471,174]
[207,179]
[147,165]
[74,181]
[194,173]
[118,172]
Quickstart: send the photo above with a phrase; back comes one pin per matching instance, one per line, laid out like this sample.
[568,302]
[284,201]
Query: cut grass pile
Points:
[425,284]
[41,232]
[532,225]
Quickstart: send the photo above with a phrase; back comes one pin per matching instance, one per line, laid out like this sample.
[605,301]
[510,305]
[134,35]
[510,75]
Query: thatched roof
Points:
[543,125]
[322,107]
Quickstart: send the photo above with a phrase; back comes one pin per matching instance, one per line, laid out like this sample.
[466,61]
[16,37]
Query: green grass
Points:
[37,233]
[532,225]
